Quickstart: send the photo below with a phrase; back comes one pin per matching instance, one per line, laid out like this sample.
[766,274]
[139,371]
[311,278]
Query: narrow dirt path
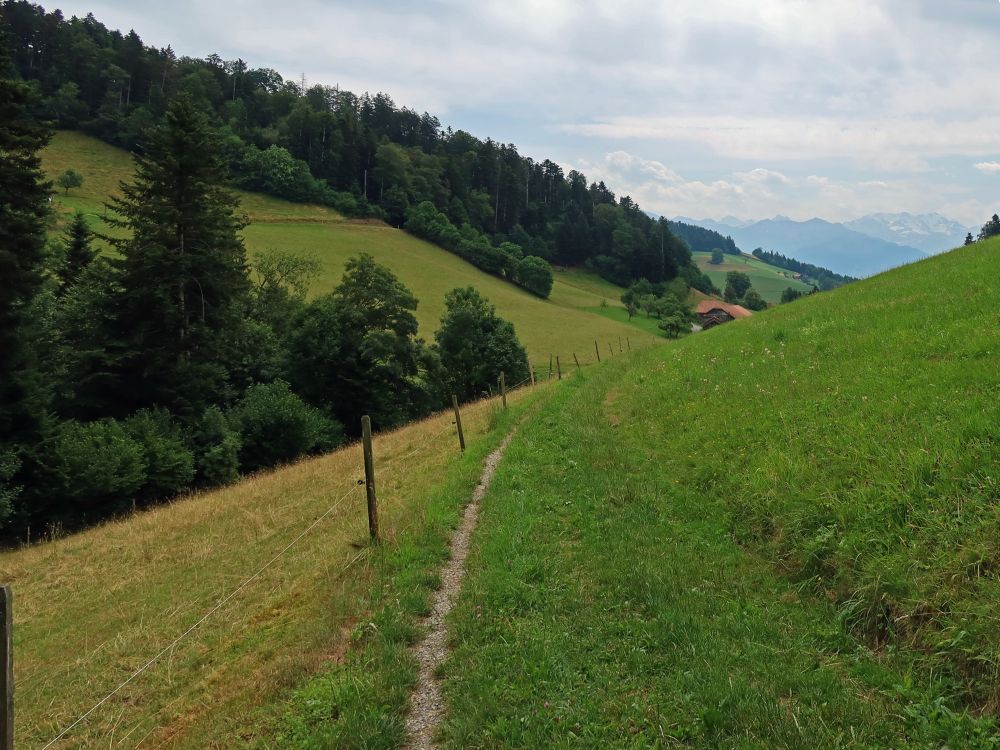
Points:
[427,703]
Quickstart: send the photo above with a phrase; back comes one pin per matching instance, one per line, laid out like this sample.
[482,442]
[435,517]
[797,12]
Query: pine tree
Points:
[79,253]
[182,271]
[23,209]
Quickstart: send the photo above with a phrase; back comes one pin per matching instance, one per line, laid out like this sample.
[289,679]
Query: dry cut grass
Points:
[92,608]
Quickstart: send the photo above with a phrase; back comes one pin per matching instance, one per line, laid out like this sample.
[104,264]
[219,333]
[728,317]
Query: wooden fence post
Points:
[531,372]
[366,439]
[7,668]
[577,361]
[458,421]
[550,368]
[621,349]
[503,390]
[610,350]
[598,350]
[629,342]
[558,368]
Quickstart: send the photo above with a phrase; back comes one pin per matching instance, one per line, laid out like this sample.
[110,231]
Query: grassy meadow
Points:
[93,607]
[770,281]
[561,325]
[780,533]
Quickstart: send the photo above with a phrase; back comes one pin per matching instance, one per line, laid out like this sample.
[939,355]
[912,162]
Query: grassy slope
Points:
[95,606]
[779,533]
[769,280]
[560,325]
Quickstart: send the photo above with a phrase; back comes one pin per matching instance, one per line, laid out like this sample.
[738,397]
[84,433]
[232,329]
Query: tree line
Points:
[174,362]
[362,155]
[823,278]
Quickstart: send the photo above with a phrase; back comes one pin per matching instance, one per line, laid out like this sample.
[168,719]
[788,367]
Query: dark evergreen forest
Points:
[361,154]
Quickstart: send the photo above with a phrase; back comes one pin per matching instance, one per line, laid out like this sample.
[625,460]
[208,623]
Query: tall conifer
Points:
[183,270]
[23,208]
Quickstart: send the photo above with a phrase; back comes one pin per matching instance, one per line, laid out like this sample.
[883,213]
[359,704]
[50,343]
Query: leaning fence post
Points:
[7,668]
[577,361]
[558,368]
[598,350]
[458,421]
[503,389]
[366,439]
[610,350]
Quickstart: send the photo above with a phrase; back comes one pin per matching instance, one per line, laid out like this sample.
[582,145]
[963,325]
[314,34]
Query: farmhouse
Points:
[712,312]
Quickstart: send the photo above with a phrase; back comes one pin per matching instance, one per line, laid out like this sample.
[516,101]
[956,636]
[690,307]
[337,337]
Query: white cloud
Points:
[988,167]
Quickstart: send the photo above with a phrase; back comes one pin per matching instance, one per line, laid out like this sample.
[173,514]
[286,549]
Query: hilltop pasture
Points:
[559,325]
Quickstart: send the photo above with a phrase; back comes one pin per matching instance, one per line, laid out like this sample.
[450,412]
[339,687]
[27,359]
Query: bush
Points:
[535,275]
[216,448]
[277,426]
[169,462]
[94,466]
[9,464]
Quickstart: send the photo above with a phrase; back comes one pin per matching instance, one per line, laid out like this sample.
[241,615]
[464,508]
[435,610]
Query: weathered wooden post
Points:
[598,350]
[577,362]
[629,342]
[458,421]
[550,368]
[558,368]
[621,348]
[366,440]
[610,350]
[503,390]
[7,668]
[531,372]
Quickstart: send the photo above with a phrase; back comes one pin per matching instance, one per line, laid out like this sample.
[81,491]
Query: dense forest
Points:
[701,240]
[361,154]
[823,278]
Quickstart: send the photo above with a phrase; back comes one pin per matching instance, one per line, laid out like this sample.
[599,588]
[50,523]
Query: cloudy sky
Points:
[704,108]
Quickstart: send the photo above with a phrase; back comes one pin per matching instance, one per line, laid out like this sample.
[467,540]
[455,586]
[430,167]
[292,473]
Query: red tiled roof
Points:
[736,311]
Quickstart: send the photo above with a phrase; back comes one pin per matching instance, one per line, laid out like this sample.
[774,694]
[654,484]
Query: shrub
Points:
[216,448]
[9,464]
[94,466]
[535,275]
[276,426]
[169,462]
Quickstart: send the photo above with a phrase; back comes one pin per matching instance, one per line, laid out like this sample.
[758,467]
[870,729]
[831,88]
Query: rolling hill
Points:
[770,281]
[778,533]
[837,247]
[560,325]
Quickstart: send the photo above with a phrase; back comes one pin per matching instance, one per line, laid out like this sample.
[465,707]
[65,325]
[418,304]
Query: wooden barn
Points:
[712,312]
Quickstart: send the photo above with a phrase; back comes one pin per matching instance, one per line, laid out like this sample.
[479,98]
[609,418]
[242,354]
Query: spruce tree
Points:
[79,253]
[24,198]
[182,271]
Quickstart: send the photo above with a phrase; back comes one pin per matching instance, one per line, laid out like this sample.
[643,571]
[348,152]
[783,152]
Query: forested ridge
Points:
[174,363]
[361,154]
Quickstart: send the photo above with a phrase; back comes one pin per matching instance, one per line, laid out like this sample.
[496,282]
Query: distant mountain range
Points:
[861,247]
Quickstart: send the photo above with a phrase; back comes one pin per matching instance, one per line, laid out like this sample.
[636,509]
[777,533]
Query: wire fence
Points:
[356,487]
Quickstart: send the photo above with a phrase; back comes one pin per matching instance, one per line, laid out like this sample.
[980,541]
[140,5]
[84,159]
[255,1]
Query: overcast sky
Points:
[830,108]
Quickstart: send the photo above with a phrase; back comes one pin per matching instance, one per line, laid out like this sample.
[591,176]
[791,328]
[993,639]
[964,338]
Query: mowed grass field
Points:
[768,280]
[92,608]
[560,325]
[780,533]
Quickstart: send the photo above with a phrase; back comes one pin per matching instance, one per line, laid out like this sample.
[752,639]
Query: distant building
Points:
[712,312]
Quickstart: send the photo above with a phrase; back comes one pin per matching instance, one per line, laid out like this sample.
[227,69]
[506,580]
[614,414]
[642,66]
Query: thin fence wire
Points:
[426,445]
[229,597]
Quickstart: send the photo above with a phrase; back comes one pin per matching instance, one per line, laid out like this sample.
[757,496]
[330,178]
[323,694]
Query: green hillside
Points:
[779,533]
[769,280]
[560,325]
